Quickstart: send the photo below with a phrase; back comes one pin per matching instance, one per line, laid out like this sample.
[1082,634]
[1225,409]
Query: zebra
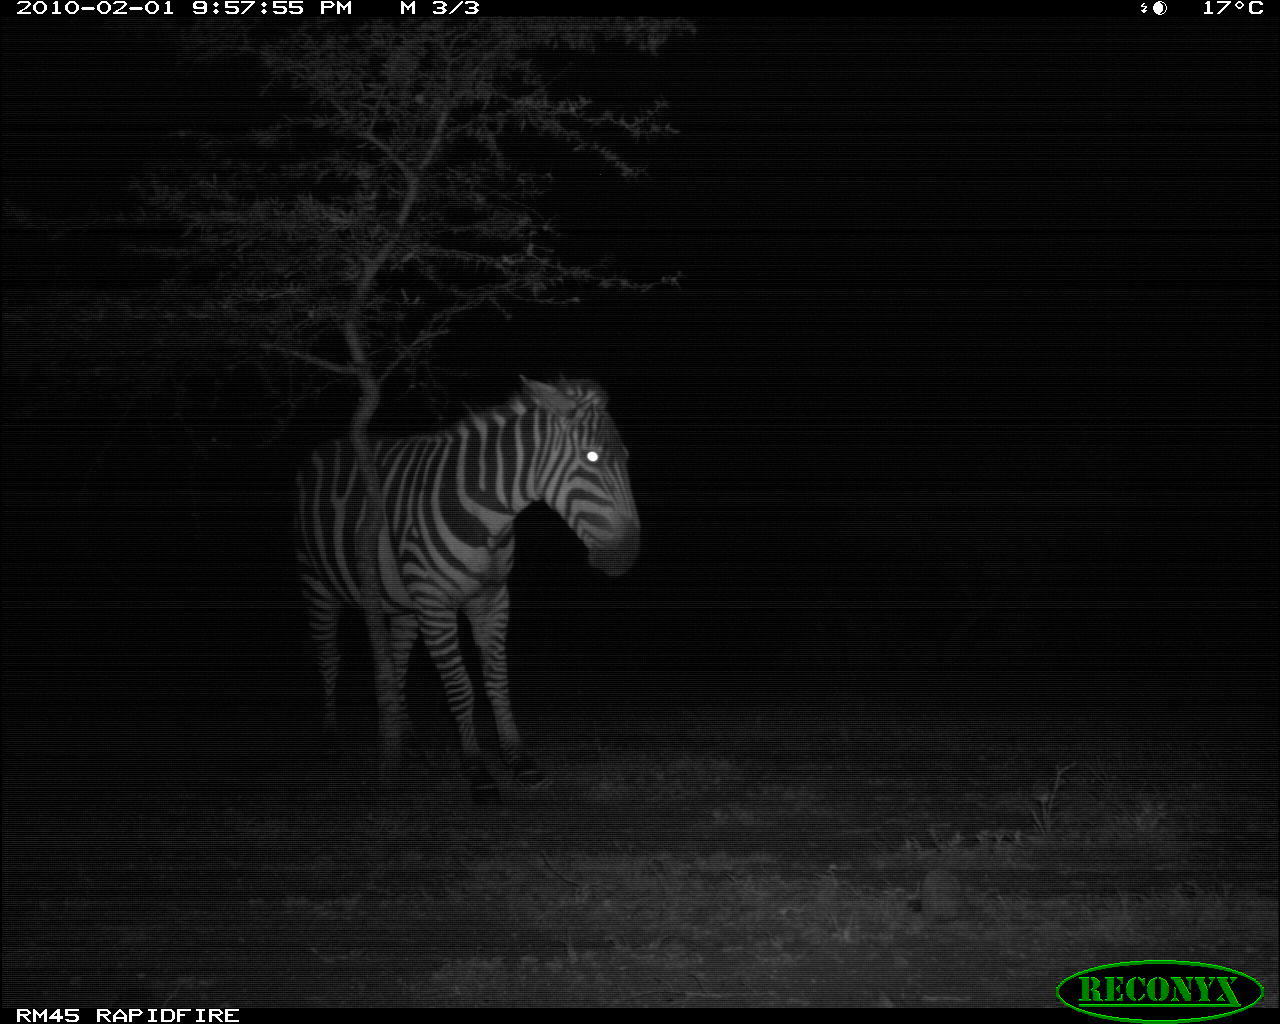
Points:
[451,502]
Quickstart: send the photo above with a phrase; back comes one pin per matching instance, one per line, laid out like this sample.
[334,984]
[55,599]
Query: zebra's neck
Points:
[524,438]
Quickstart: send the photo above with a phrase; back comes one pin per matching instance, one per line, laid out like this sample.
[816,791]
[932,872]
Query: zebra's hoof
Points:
[527,773]
[531,778]
[485,793]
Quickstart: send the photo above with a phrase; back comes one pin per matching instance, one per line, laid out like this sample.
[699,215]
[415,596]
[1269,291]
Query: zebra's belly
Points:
[471,570]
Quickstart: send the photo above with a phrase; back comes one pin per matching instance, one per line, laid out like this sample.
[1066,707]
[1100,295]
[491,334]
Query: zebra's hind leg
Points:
[323,617]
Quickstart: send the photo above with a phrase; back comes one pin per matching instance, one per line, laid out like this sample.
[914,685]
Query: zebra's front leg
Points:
[404,631]
[440,633]
[489,612]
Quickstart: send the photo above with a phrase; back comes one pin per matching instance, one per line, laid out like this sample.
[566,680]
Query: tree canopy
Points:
[395,190]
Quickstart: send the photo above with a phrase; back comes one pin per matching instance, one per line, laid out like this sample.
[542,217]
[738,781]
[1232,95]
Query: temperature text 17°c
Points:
[1232,6]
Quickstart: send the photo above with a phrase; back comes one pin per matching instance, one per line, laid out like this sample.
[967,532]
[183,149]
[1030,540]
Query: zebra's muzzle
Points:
[616,558]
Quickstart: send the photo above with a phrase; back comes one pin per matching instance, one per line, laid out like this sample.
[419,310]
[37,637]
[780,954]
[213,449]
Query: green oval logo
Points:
[1165,990]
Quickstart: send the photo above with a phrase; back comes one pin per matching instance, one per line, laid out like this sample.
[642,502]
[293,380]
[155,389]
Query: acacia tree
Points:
[400,166]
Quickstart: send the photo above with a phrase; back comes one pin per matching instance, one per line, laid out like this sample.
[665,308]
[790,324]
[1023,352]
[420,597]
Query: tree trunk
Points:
[390,721]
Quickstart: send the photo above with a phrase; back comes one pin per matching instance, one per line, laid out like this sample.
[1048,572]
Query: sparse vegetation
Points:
[1044,807]
[641,878]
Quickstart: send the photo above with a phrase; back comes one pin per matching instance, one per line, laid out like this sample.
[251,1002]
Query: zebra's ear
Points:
[549,397]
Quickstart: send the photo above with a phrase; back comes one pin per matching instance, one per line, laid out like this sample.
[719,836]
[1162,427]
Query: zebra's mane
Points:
[581,386]
[578,388]
[582,389]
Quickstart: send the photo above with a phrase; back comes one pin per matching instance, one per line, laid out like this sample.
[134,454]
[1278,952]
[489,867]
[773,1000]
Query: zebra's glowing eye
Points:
[593,456]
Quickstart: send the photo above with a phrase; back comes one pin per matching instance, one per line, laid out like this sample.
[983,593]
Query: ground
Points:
[764,860]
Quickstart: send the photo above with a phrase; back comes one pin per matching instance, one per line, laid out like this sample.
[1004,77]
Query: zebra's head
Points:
[585,470]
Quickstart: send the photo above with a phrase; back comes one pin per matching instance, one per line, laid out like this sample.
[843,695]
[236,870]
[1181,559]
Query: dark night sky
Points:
[969,387]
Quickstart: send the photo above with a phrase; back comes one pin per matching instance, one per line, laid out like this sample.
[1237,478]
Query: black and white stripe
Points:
[451,503]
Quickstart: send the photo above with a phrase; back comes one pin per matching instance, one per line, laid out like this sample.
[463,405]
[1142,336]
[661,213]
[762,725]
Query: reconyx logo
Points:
[1164,990]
